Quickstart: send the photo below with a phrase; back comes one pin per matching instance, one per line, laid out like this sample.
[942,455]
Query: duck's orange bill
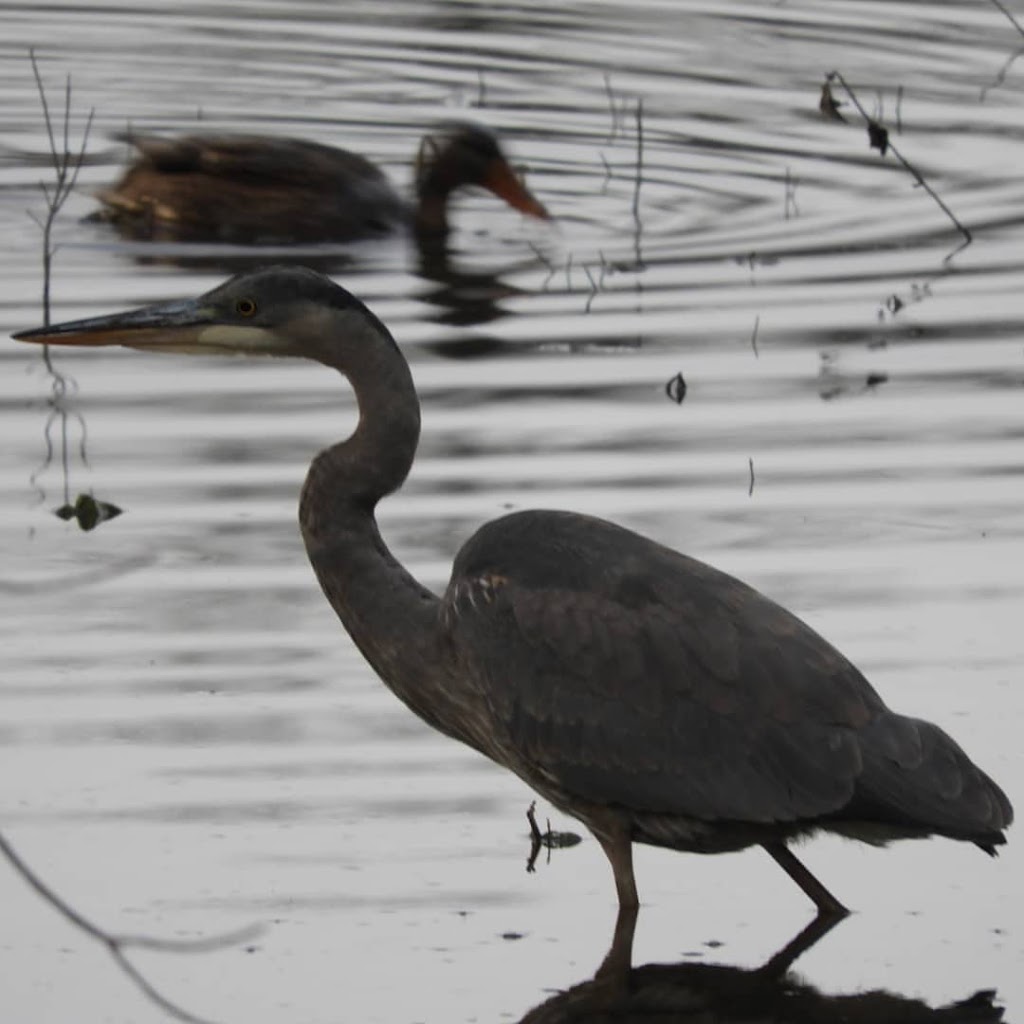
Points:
[502,181]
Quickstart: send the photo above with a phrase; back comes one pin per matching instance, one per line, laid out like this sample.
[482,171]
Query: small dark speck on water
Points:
[511,936]
[676,389]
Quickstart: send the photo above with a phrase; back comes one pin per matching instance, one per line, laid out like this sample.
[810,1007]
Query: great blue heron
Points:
[262,189]
[651,696]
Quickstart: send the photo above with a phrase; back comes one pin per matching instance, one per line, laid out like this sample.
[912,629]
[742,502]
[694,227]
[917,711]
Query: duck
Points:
[266,190]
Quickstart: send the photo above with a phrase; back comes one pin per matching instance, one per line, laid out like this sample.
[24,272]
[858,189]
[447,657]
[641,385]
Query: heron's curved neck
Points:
[432,194]
[345,481]
[392,618]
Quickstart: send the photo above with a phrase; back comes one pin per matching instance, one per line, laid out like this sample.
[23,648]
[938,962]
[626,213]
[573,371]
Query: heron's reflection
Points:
[717,993]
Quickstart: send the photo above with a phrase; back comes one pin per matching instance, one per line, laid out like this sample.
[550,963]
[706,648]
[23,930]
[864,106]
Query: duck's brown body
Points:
[257,190]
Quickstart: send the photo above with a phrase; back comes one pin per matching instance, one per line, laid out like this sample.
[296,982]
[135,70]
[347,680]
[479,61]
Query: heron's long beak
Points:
[502,181]
[181,326]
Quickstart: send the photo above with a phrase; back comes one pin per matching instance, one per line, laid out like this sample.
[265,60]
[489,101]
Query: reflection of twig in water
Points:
[117,944]
[59,387]
[550,840]
[1000,75]
[879,139]
[753,337]
[750,489]
[611,106]
[638,180]
[790,198]
[66,167]
[547,264]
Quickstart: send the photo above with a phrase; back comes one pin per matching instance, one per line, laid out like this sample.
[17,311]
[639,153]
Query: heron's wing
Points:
[626,673]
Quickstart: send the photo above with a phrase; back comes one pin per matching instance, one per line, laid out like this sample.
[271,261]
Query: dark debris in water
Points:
[832,384]
[88,511]
[878,137]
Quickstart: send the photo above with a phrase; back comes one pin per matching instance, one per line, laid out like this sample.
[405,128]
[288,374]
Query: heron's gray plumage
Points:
[654,697]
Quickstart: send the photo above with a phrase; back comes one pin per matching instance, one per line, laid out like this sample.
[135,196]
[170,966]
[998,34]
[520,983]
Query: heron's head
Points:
[460,154]
[278,311]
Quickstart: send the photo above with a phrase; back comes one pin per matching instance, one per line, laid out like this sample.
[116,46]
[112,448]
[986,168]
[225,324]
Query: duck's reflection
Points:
[716,993]
[460,297]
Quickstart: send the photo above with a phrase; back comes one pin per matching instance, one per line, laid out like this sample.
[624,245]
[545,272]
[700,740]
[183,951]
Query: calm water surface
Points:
[189,741]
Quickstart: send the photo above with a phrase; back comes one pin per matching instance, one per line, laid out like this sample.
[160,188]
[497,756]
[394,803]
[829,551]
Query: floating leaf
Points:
[829,105]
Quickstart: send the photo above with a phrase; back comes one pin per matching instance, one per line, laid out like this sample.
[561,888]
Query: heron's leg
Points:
[618,847]
[826,903]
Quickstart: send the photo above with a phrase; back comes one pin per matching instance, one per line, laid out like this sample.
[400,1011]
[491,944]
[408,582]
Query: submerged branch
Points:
[116,945]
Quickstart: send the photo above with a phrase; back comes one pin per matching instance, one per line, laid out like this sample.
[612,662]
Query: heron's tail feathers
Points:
[916,775]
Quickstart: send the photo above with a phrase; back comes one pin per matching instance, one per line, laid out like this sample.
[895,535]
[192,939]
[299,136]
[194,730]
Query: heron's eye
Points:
[245,307]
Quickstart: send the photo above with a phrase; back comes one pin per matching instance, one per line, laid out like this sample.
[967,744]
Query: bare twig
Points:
[66,167]
[880,139]
[750,489]
[639,161]
[1013,21]
[116,945]
[593,288]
